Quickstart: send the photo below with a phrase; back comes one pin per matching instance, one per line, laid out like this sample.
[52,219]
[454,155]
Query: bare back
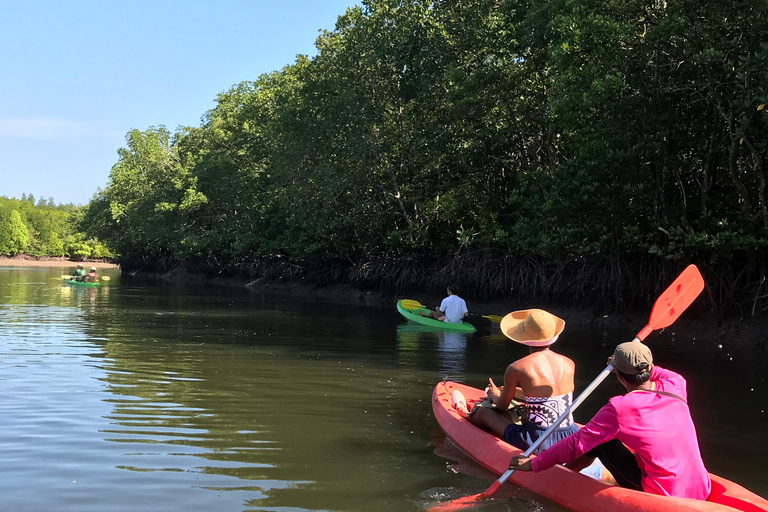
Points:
[542,374]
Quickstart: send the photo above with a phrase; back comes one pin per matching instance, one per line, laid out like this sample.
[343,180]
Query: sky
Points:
[75,77]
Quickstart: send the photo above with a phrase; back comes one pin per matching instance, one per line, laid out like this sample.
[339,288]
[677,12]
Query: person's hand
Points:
[492,392]
[610,358]
[521,463]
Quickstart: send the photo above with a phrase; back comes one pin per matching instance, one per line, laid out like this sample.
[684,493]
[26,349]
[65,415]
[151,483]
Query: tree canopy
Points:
[44,228]
[620,131]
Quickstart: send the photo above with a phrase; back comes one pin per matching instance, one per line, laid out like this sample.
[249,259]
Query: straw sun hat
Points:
[532,327]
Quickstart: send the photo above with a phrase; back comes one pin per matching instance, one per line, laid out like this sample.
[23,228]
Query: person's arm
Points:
[603,427]
[669,381]
[600,429]
[510,389]
[661,374]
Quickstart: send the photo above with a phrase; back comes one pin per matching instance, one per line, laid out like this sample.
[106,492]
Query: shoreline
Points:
[735,330]
[26,261]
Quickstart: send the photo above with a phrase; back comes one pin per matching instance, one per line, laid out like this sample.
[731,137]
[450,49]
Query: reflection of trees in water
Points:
[44,287]
[27,295]
[178,399]
[262,396]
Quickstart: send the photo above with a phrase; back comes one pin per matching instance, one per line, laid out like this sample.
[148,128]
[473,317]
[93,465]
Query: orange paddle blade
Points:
[675,299]
[464,501]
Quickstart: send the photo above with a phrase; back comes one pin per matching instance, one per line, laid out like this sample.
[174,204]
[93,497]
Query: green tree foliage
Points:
[554,129]
[44,229]
[14,235]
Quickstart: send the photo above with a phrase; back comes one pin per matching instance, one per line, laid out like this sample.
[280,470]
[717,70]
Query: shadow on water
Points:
[185,398]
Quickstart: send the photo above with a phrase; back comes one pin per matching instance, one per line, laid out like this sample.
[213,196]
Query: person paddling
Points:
[453,309]
[79,272]
[652,420]
[91,277]
[544,379]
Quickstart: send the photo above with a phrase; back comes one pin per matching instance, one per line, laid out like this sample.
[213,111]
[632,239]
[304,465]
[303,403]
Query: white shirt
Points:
[454,308]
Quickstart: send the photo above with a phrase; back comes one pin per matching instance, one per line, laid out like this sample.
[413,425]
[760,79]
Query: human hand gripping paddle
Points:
[667,308]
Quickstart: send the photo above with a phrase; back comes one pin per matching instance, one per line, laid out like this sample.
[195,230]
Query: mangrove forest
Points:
[569,151]
[44,228]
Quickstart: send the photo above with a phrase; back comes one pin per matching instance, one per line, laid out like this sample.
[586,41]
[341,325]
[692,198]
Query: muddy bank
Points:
[736,330]
[25,261]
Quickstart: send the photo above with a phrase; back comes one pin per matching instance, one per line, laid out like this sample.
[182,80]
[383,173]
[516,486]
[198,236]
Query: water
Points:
[150,397]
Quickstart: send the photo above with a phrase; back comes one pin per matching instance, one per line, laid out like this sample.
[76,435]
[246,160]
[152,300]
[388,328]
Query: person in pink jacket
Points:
[652,420]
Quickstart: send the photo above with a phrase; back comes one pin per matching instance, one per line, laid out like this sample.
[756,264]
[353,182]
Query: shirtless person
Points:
[543,378]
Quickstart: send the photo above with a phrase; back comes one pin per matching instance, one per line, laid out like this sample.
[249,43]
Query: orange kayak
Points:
[568,488]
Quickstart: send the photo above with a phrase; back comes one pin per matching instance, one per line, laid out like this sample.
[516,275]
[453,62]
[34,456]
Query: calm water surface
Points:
[150,397]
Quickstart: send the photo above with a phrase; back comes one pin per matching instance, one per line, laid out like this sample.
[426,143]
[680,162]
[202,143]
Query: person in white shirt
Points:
[452,309]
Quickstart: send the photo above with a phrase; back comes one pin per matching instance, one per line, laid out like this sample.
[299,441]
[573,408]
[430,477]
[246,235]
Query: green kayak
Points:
[414,316]
[72,282]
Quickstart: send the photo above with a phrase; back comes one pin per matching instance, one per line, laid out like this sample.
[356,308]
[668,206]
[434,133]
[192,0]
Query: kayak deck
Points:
[569,488]
[413,315]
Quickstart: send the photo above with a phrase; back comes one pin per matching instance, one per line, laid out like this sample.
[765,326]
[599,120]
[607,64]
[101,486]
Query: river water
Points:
[146,396]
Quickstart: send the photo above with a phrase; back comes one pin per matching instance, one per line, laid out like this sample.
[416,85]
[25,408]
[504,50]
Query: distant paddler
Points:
[92,277]
[452,309]
[79,272]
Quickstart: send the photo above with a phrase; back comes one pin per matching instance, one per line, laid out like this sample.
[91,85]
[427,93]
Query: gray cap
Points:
[629,355]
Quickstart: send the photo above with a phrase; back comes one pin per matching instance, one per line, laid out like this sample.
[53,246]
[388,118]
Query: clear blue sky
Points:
[75,77]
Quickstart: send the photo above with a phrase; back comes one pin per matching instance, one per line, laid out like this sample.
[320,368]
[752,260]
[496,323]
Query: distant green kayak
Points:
[72,282]
[414,316]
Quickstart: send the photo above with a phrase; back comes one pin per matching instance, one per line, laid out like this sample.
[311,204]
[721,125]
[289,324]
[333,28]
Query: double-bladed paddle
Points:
[103,278]
[667,308]
[414,304]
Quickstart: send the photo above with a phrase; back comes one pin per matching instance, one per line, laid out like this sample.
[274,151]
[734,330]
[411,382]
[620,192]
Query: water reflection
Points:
[185,398]
[449,346]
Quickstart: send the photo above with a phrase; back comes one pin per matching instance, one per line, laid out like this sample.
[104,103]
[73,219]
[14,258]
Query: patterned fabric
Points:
[544,410]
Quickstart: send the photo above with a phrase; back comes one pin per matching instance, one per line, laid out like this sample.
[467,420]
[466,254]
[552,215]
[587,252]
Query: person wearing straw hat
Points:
[543,378]
[652,420]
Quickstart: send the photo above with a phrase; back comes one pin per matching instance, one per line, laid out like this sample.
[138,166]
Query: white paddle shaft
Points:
[579,400]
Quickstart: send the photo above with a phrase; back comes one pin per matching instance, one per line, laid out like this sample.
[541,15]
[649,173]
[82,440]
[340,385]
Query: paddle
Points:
[667,308]
[103,278]
[414,304]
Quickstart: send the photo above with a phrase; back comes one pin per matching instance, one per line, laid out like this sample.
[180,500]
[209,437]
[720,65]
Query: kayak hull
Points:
[71,282]
[412,315]
[569,488]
